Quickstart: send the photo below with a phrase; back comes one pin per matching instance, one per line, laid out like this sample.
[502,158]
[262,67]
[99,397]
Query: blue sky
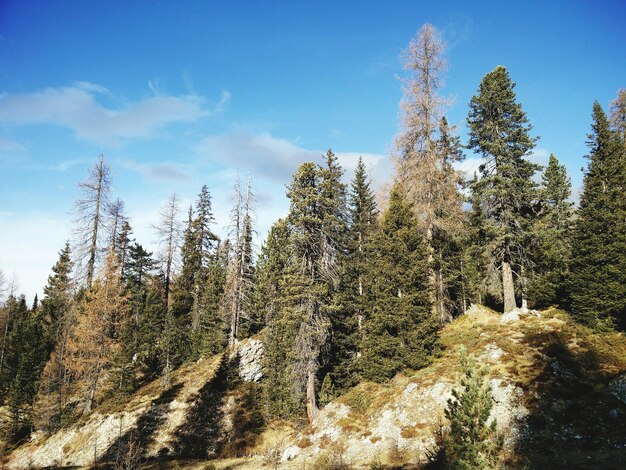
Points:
[180,94]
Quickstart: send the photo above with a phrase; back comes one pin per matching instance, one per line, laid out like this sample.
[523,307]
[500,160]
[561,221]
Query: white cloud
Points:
[276,159]
[76,107]
[7,145]
[159,171]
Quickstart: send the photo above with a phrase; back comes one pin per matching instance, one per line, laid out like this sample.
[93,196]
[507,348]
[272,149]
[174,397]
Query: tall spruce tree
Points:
[597,286]
[552,234]
[273,259]
[128,363]
[499,130]
[56,312]
[25,356]
[189,294]
[354,303]
[401,330]
[316,227]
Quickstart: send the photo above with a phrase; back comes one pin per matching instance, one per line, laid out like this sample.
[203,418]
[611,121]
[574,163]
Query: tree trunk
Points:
[508,289]
[311,403]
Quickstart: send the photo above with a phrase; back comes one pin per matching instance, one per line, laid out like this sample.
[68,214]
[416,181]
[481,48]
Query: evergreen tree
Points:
[500,132]
[192,295]
[271,264]
[471,443]
[56,313]
[354,303]
[204,244]
[128,363]
[552,233]
[597,286]
[25,356]
[401,330]
[121,246]
[316,227]
[450,227]
[212,335]
[148,357]
[58,294]
[481,275]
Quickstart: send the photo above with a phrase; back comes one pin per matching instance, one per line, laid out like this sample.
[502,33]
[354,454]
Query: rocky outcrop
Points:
[517,314]
[251,353]
[405,427]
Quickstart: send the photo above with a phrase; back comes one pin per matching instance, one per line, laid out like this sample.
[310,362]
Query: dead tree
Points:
[91,210]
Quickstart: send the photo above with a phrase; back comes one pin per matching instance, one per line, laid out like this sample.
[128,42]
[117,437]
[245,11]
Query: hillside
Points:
[554,383]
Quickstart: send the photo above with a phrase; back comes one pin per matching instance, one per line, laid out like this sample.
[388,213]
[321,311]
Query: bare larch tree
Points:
[91,210]
[423,163]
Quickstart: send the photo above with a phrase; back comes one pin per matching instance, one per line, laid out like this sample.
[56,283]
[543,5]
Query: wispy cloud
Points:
[458,30]
[7,145]
[276,159]
[76,107]
[168,172]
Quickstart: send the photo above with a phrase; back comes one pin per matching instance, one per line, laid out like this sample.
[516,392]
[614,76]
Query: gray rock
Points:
[492,352]
[251,352]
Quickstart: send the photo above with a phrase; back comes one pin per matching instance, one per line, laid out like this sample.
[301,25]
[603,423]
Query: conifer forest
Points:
[439,319]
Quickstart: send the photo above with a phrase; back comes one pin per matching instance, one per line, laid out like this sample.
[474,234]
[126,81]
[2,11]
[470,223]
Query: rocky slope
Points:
[558,390]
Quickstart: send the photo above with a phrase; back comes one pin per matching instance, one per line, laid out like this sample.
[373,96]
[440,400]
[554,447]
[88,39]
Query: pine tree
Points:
[316,227]
[57,315]
[212,335]
[121,245]
[58,293]
[271,264]
[597,286]
[480,273]
[128,366]
[552,233]
[25,356]
[205,242]
[354,303]
[401,330]
[450,227]
[500,132]
[311,254]
[471,442]
[190,294]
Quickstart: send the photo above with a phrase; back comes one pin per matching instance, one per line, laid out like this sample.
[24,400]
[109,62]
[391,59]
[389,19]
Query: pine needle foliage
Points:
[471,444]
[597,283]
[401,330]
